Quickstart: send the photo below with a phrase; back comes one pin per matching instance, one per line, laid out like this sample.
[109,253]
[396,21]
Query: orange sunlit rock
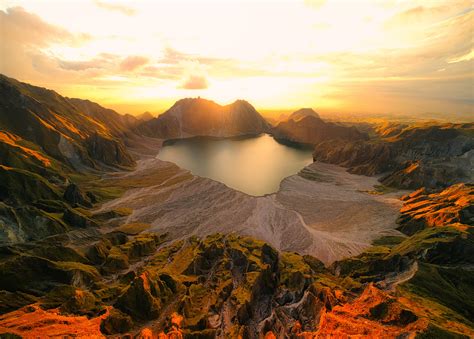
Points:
[270,335]
[439,209]
[358,319]
[176,319]
[34,322]
[11,139]
[147,333]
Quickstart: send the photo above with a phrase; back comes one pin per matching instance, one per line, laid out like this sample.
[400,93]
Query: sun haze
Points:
[405,57]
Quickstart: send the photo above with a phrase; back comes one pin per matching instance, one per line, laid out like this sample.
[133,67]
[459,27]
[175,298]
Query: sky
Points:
[354,56]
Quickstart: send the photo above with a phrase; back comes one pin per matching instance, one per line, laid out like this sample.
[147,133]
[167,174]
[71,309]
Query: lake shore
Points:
[323,211]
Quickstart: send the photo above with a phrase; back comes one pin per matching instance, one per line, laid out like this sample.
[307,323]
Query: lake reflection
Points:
[254,165]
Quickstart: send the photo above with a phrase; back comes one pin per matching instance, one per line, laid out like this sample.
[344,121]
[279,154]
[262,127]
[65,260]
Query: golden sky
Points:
[400,56]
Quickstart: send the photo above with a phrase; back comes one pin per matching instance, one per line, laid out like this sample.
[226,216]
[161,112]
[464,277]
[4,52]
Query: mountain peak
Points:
[198,116]
[303,113]
[241,102]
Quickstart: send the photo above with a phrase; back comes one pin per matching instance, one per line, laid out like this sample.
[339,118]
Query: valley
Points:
[323,211]
[100,237]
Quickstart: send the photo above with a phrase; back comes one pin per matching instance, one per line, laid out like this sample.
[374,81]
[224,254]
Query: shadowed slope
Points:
[414,157]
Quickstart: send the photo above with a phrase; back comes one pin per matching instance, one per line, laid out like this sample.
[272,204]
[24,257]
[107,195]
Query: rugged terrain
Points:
[131,280]
[100,238]
[48,145]
[412,157]
[307,127]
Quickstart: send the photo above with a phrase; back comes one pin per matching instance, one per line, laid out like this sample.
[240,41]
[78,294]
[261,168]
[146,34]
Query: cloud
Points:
[195,82]
[195,76]
[102,61]
[162,71]
[133,62]
[173,60]
[25,39]
[27,28]
[466,57]
[424,14]
[115,7]
[173,56]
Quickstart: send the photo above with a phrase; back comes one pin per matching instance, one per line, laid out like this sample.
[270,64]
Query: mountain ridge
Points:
[310,129]
[202,117]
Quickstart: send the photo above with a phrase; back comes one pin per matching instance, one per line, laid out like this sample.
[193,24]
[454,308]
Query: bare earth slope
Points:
[323,211]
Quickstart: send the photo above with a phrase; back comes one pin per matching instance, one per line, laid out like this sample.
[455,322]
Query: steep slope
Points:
[416,156]
[74,131]
[312,130]
[117,124]
[201,117]
[48,144]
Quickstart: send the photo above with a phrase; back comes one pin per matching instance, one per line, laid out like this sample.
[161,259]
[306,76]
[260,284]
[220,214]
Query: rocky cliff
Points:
[410,157]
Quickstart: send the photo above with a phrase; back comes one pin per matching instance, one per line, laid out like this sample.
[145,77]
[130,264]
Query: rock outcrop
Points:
[109,151]
[74,195]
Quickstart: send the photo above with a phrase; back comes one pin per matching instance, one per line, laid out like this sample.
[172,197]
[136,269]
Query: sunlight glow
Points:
[276,54]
